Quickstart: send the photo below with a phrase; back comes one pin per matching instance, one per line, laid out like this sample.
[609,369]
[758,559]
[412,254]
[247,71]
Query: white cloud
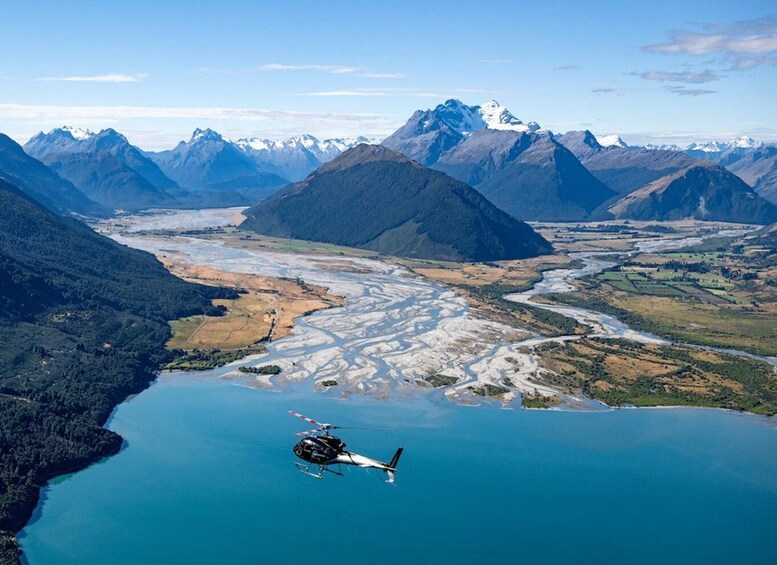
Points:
[382,75]
[112,77]
[691,77]
[376,92]
[744,44]
[333,69]
[417,92]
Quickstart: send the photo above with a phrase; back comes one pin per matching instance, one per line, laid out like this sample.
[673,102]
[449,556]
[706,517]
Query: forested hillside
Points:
[83,322]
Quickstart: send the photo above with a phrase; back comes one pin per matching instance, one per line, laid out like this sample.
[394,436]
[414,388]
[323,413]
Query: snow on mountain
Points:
[495,116]
[295,157]
[745,142]
[709,147]
[206,134]
[468,119]
[663,147]
[611,140]
[78,133]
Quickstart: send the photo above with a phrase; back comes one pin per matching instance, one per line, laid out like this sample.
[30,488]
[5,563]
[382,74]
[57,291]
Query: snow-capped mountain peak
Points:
[611,140]
[496,116]
[745,142]
[467,119]
[709,147]
[206,134]
[79,134]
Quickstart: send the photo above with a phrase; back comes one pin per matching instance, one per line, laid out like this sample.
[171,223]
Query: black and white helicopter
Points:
[323,450]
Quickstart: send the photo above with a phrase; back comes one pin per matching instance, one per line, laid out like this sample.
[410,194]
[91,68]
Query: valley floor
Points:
[509,349]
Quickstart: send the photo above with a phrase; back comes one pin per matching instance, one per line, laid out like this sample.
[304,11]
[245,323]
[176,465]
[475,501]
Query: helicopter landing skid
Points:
[305,470]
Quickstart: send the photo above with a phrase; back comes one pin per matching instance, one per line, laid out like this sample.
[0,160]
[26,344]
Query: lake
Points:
[208,477]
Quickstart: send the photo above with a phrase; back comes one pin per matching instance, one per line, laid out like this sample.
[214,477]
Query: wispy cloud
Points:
[691,77]
[684,91]
[376,92]
[101,114]
[568,68]
[382,75]
[332,69]
[496,61]
[745,44]
[417,92]
[615,91]
[112,77]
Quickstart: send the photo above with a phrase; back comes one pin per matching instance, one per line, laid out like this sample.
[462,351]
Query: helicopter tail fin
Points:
[395,459]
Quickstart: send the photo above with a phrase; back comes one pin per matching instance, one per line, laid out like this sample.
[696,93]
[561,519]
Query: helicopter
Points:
[318,447]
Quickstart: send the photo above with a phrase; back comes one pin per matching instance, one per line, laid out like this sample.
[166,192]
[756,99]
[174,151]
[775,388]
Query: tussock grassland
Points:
[265,309]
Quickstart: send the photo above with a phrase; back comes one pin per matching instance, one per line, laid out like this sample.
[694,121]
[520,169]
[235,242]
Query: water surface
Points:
[207,477]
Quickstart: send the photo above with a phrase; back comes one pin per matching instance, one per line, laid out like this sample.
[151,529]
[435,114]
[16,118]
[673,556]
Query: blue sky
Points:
[658,71]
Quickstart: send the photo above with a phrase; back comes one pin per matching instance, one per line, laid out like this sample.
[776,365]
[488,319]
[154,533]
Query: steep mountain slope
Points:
[528,175]
[375,198]
[211,163]
[42,184]
[106,179]
[703,191]
[490,149]
[766,186]
[623,169]
[758,168]
[83,323]
[429,134]
[70,140]
[546,183]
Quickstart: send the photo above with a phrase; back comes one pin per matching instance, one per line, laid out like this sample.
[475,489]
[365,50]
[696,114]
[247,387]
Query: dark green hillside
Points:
[83,322]
[375,198]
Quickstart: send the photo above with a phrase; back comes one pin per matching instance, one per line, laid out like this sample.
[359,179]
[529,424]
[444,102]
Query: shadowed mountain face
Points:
[63,140]
[703,191]
[758,168]
[375,198]
[207,162]
[105,167]
[528,175]
[104,178]
[623,169]
[517,166]
[42,184]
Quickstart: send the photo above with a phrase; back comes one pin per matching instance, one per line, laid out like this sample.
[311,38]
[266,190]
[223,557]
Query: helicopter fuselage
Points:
[319,449]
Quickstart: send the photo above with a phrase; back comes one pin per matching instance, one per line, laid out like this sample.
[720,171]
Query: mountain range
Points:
[522,168]
[519,166]
[296,157]
[105,167]
[375,198]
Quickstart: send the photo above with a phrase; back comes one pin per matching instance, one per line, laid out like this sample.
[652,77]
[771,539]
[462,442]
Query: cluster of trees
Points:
[83,323]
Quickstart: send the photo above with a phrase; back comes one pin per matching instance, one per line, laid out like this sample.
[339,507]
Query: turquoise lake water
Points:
[207,476]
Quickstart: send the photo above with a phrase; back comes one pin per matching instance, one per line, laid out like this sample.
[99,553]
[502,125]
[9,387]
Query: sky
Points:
[654,72]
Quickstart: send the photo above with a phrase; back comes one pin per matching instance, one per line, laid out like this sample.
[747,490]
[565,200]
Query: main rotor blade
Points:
[311,420]
[357,428]
[309,432]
